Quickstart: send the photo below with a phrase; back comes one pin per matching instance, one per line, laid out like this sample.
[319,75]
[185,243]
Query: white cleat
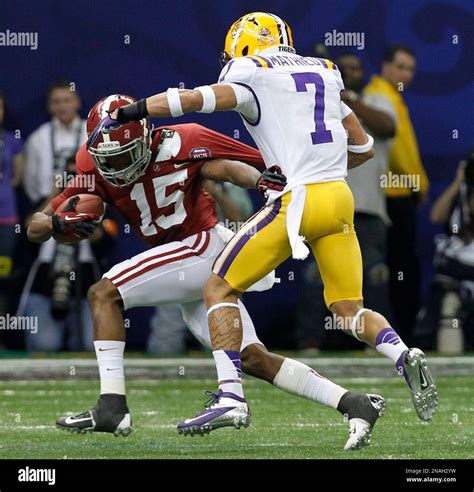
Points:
[360,433]
[222,410]
[363,411]
[424,393]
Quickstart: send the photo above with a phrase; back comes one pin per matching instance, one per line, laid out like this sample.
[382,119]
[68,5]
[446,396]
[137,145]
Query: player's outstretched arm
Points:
[207,99]
[174,102]
[243,175]
[47,223]
[235,172]
[360,145]
[40,228]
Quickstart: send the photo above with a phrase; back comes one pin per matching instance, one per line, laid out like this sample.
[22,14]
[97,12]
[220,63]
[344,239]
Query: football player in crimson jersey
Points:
[153,178]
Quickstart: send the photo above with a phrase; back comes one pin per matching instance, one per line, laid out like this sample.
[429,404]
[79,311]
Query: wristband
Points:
[361,149]
[208,99]
[174,102]
[132,112]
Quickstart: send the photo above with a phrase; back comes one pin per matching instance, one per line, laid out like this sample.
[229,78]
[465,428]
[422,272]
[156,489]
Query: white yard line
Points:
[8,364]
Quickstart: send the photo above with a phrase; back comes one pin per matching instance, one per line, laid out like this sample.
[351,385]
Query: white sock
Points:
[299,379]
[388,343]
[110,359]
[229,371]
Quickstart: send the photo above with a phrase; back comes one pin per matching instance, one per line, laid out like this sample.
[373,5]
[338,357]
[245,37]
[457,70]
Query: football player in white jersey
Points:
[291,106]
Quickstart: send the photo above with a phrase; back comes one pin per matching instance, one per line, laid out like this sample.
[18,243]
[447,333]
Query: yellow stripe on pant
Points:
[328,226]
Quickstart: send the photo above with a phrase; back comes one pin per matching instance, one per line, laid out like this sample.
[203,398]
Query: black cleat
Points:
[362,411]
[110,414]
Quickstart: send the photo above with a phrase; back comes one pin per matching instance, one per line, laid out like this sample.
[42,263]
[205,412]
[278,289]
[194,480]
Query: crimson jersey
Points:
[168,202]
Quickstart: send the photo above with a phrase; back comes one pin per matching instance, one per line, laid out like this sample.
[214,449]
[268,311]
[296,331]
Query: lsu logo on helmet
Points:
[254,32]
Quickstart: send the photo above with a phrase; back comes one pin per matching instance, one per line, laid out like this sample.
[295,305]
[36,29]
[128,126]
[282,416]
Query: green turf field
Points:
[283,426]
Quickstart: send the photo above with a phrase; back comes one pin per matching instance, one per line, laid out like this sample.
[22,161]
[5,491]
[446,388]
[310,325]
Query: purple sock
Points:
[234,356]
[229,371]
[387,335]
[390,344]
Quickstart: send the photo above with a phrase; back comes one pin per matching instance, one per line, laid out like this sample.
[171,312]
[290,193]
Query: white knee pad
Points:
[354,322]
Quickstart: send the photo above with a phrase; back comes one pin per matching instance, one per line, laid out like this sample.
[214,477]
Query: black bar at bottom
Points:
[402,474]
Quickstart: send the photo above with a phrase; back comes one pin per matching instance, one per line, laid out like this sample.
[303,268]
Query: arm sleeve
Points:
[246,102]
[239,73]
[339,80]
[345,110]
[239,70]
[222,147]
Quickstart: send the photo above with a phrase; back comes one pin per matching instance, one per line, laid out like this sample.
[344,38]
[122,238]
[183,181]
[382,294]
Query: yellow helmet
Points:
[254,32]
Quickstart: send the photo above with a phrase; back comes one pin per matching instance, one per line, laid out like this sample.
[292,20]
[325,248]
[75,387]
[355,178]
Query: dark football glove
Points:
[78,223]
[271,179]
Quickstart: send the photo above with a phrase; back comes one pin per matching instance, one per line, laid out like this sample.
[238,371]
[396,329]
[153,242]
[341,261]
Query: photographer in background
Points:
[48,147]
[451,294]
[56,289]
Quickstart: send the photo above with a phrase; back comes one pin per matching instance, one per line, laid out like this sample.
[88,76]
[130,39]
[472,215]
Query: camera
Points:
[64,262]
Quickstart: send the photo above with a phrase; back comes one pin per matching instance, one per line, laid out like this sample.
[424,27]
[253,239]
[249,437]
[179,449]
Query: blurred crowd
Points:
[50,281]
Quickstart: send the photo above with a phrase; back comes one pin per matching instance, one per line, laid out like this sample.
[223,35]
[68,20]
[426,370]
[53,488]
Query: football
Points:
[87,204]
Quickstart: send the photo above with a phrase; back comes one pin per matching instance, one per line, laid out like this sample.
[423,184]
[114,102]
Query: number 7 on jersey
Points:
[302,80]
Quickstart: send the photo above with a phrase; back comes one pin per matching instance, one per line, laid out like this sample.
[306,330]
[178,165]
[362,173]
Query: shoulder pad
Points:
[169,146]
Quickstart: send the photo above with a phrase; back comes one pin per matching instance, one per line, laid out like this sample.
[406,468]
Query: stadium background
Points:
[170,43]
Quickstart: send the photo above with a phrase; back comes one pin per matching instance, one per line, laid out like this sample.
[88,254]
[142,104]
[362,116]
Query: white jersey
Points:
[295,113]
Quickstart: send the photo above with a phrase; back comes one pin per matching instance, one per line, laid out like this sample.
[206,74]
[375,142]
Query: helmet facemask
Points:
[225,59]
[111,160]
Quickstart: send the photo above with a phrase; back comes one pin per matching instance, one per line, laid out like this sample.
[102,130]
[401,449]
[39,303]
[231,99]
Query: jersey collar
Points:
[282,49]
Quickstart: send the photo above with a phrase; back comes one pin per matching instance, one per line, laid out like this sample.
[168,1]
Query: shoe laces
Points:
[213,399]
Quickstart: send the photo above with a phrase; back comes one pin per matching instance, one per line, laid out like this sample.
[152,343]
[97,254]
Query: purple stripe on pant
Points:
[243,240]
